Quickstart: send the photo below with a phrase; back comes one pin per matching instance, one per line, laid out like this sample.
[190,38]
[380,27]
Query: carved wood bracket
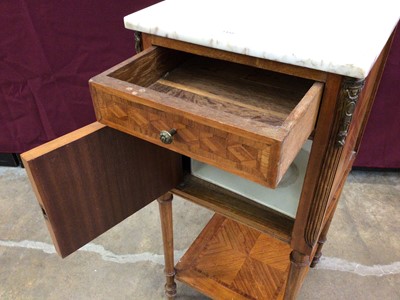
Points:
[351,90]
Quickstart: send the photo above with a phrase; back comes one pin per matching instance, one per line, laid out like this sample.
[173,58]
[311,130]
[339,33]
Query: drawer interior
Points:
[229,89]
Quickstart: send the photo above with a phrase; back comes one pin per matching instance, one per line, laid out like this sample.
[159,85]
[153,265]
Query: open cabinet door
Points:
[93,178]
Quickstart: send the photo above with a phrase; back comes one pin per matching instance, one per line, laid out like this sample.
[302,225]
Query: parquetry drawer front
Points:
[245,120]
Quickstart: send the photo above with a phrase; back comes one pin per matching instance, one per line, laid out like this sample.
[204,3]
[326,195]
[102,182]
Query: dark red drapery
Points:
[48,52]
[50,49]
[380,147]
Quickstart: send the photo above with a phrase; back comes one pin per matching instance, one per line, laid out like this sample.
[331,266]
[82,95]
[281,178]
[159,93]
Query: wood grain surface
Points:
[91,179]
[232,261]
[236,207]
[234,57]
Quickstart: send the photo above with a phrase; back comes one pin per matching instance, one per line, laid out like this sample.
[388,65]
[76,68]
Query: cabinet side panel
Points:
[87,185]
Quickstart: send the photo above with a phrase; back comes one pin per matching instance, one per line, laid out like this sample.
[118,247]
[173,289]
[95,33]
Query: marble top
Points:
[342,36]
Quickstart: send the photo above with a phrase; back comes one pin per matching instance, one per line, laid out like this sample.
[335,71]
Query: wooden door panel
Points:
[91,179]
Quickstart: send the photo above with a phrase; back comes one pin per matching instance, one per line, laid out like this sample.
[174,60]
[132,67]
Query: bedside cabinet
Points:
[246,116]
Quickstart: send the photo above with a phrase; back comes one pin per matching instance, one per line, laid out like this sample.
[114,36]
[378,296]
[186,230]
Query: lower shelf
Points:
[229,260]
[236,207]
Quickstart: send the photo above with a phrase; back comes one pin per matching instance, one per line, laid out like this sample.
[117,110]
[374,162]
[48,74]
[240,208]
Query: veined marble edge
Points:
[356,72]
[346,70]
[359,70]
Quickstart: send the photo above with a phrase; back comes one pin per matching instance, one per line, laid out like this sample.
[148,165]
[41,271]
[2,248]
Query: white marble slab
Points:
[343,36]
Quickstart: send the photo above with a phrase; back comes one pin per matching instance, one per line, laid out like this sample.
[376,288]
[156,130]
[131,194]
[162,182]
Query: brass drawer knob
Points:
[167,137]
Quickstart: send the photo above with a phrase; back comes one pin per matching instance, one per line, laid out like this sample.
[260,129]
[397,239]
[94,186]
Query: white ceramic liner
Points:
[285,198]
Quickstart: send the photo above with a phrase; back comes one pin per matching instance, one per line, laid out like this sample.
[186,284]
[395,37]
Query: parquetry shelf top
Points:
[343,37]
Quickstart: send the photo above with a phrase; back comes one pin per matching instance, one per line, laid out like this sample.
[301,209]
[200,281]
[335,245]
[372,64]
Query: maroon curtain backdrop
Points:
[50,49]
[48,52]
[380,146]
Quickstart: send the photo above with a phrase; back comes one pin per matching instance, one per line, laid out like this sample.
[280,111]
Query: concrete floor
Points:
[361,258]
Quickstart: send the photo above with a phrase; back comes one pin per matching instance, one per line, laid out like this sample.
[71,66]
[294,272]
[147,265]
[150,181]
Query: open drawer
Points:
[247,121]
[91,179]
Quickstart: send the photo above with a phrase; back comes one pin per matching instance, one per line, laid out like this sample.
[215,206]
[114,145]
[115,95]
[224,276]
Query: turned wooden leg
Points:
[299,264]
[165,205]
[322,238]
[321,242]
[318,253]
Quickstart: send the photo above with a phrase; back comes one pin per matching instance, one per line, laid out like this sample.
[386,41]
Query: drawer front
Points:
[247,121]
[91,179]
[237,154]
